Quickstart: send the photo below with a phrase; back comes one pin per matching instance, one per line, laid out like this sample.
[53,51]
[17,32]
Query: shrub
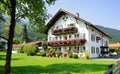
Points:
[86,54]
[30,49]
[43,54]
[59,53]
[20,50]
[38,53]
[113,50]
[75,56]
[2,44]
[70,54]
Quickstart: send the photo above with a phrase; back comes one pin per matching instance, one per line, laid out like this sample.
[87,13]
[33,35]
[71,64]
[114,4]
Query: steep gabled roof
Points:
[61,12]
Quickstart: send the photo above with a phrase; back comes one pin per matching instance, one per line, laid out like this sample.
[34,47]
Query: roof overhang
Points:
[61,12]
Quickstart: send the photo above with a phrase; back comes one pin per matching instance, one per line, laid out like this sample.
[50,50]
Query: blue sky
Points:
[98,12]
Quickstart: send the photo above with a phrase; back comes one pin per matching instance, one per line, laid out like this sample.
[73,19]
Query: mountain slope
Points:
[115,34]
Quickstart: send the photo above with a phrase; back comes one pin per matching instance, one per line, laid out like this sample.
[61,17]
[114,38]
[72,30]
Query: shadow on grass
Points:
[3,57]
[63,68]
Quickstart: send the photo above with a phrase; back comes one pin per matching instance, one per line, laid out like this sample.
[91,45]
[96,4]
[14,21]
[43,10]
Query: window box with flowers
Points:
[61,31]
[67,42]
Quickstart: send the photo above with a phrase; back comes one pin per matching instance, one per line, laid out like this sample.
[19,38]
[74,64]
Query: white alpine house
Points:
[3,41]
[68,32]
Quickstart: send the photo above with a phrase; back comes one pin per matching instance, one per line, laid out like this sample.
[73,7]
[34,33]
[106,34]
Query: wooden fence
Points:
[113,69]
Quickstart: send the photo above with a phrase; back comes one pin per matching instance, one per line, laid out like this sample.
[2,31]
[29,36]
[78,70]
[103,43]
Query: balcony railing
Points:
[67,42]
[61,31]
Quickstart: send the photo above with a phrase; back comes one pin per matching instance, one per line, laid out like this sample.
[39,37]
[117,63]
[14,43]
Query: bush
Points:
[30,49]
[20,50]
[39,53]
[43,54]
[59,53]
[2,44]
[86,54]
[113,50]
[70,54]
[75,56]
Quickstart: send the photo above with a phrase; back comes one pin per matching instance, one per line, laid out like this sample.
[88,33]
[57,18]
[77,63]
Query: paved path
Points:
[111,58]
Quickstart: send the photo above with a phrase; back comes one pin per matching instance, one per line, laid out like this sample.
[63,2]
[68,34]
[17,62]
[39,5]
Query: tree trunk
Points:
[10,39]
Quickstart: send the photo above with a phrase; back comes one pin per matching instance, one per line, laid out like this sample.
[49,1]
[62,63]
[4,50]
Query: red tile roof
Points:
[33,43]
[115,45]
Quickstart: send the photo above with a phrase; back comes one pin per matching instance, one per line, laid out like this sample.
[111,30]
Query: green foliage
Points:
[25,34]
[44,45]
[86,54]
[20,50]
[43,53]
[16,40]
[38,53]
[75,56]
[59,53]
[24,64]
[2,44]
[115,34]
[113,50]
[30,49]
[34,10]
[70,54]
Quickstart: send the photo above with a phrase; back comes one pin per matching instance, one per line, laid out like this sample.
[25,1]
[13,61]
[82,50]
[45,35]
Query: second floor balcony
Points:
[61,31]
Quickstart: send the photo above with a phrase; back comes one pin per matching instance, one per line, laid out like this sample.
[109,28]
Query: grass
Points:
[23,64]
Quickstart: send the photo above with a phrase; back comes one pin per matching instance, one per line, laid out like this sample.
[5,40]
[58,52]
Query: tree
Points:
[34,10]
[25,35]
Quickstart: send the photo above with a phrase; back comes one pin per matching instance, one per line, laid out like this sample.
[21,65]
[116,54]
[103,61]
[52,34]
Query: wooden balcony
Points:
[71,42]
[61,31]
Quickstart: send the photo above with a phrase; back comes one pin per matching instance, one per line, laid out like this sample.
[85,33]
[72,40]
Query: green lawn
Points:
[23,64]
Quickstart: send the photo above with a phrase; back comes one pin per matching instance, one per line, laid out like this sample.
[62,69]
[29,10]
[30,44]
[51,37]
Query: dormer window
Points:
[71,25]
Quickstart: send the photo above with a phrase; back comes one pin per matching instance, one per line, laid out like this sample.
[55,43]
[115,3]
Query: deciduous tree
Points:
[34,10]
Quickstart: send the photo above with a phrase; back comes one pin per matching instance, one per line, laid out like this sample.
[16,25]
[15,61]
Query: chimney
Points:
[77,14]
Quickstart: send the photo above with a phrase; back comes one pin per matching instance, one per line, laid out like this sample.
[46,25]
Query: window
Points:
[55,38]
[77,35]
[60,37]
[57,27]
[83,35]
[97,41]
[77,50]
[49,38]
[92,50]
[59,48]
[106,43]
[70,25]
[69,36]
[69,48]
[65,37]
[81,49]
[92,37]
[97,50]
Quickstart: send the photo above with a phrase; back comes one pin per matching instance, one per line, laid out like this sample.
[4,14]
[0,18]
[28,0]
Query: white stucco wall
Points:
[4,40]
[82,28]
